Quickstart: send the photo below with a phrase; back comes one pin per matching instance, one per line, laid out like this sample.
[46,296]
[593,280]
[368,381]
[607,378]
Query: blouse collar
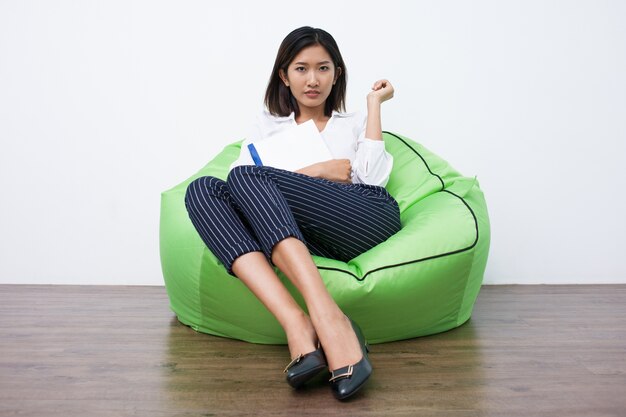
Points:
[292,116]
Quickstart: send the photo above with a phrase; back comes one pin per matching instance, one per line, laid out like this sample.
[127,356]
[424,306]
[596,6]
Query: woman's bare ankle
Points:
[301,335]
[337,336]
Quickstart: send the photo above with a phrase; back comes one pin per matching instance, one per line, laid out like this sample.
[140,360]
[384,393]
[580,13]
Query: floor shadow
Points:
[210,375]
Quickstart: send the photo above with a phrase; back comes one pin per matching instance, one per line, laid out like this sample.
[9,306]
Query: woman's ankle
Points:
[329,315]
[340,343]
[301,335]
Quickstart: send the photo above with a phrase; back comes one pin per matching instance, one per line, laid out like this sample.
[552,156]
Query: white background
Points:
[104,104]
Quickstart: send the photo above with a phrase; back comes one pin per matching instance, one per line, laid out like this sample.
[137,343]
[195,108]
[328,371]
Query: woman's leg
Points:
[344,220]
[215,216]
[333,329]
[339,221]
[256,273]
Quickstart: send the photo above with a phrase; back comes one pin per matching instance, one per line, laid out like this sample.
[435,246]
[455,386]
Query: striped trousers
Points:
[257,207]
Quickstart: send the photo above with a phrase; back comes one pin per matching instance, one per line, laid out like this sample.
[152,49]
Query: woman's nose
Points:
[312,81]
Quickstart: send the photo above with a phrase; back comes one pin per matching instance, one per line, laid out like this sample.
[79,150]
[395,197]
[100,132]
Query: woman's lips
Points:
[312,94]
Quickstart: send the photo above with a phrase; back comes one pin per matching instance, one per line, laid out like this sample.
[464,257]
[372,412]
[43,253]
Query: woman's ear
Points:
[283,77]
[338,73]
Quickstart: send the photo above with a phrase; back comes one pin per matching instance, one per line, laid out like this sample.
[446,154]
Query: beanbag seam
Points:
[443,186]
[429,257]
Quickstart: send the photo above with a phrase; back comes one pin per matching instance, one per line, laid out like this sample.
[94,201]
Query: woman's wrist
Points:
[373,101]
[311,170]
[373,128]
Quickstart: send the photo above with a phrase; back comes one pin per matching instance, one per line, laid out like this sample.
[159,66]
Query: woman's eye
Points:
[300,69]
[324,68]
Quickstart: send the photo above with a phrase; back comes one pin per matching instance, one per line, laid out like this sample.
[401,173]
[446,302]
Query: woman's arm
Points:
[339,169]
[381,92]
[333,170]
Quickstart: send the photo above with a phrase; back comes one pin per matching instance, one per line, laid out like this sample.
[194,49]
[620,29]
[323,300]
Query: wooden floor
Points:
[118,351]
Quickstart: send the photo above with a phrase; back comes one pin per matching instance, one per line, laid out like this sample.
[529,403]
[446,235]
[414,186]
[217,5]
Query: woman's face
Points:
[310,77]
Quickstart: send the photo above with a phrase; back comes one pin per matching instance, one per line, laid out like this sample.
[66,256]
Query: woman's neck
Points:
[320,120]
[317,115]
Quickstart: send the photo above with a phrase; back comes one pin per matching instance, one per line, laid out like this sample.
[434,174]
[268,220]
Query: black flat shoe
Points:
[303,368]
[346,381]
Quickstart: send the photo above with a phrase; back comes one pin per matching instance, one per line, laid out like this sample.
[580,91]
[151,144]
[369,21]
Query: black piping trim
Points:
[421,157]
[428,257]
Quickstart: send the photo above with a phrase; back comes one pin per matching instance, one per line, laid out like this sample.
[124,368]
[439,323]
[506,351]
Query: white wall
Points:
[103,105]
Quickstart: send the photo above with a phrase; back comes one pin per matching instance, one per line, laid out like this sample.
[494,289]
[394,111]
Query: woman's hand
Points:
[381,91]
[338,170]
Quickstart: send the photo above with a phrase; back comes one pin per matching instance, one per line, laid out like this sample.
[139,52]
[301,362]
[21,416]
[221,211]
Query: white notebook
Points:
[297,147]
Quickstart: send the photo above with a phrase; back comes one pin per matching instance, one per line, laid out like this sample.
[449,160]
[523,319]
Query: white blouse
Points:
[344,136]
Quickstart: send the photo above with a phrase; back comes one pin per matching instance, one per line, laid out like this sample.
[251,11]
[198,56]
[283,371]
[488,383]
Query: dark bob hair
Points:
[278,98]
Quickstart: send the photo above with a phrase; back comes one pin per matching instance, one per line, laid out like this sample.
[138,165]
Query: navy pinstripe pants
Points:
[257,207]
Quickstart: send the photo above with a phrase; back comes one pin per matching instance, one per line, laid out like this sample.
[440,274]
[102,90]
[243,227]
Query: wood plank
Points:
[119,351]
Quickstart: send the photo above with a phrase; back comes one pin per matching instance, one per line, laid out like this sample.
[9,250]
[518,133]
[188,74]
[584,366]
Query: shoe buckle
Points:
[293,362]
[343,375]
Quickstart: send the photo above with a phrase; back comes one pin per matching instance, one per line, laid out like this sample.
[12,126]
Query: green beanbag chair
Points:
[423,280]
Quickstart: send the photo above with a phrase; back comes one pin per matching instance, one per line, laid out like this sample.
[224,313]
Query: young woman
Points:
[263,216]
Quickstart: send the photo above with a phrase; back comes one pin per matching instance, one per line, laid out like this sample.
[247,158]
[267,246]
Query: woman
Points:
[263,216]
